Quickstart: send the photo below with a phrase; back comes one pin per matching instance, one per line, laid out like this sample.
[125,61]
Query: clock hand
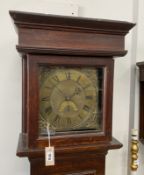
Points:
[61,92]
[76,92]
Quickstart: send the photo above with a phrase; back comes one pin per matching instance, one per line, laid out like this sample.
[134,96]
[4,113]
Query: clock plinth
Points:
[68,83]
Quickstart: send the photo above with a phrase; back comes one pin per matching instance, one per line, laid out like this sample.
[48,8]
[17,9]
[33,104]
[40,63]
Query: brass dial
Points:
[68,98]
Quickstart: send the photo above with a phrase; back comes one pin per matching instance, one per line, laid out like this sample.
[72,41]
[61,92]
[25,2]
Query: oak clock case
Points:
[68,65]
[69,95]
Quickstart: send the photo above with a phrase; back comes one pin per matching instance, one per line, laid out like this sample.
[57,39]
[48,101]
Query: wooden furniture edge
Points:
[87,24]
[24,151]
[140,64]
[33,50]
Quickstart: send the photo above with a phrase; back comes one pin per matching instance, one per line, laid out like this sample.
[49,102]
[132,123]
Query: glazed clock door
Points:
[69,99]
[67,93]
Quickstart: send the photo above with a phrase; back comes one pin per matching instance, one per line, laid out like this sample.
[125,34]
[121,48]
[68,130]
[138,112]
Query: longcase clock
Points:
[68,85]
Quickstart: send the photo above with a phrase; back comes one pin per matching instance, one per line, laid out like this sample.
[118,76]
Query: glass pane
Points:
[70,99]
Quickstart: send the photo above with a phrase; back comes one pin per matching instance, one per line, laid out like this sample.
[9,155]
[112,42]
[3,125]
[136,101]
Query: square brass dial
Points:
[70,99]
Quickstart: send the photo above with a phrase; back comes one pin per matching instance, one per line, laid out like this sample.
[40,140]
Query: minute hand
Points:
[60,91]
[76,92]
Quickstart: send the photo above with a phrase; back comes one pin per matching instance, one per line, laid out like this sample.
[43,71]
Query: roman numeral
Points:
[86,86]
[48,110]
[86,108]
[68,75]
[56,79]
[89,97]
[68,121]
[77,90]
[45,98]
[57,118]
[48,87]
[78,79]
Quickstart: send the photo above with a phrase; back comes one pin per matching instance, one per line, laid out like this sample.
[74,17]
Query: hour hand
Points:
[77,91]
[61,92]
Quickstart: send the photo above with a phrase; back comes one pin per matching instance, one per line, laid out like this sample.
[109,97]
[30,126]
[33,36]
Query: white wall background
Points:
[139,57]
[10,77]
